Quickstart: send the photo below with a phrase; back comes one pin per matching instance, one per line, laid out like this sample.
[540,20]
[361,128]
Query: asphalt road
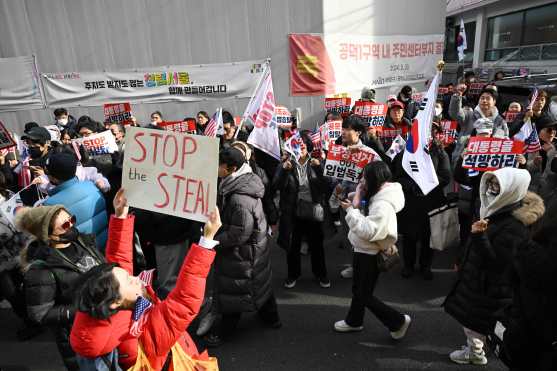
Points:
[306,341]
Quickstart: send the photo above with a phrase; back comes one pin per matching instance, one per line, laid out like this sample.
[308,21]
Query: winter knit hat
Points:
[36,220]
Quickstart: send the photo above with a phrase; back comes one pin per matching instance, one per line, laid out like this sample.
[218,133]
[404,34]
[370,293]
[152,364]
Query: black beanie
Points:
[61,165]
[232,157]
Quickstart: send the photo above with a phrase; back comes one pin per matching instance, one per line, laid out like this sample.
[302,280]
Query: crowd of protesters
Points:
[74,261]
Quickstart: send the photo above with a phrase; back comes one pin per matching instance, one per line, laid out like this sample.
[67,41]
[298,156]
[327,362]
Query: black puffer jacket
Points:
[483,288]
[242,264]
[49,287]
[287,182]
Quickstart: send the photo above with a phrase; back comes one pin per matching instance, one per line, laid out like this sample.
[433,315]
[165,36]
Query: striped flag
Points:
[529,136]
[147,277]
[315,137]
[140,316]
[215,125]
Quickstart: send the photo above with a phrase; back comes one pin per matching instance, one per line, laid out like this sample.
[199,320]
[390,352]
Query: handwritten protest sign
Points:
[345,164]
[330,131]
[98,144]
[118,113]
[340,106]
[372,113]
[448,132]
[171,173]
[187,126]
[487,154]
[6,140]
[283,117]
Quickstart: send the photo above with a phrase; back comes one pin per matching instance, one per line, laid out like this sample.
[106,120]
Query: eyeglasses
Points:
[69,223]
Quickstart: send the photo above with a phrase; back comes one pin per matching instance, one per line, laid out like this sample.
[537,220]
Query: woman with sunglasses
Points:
[53,262]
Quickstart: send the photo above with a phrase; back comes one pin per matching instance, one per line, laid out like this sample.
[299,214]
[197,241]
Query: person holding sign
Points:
[119,314]
[302,185]
[536,110]
[485,109]
[484,285]
[395,124]
[242,265]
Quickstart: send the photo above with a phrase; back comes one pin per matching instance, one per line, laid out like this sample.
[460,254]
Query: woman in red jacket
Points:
[118,311]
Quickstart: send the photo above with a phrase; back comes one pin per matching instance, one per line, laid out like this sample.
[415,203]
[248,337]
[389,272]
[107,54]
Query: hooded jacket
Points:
[167,320]
[377,231]
[483,288]
[242,264]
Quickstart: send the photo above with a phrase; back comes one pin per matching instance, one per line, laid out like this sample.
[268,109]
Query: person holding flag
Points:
[423,170]
[536,110]
[302,185]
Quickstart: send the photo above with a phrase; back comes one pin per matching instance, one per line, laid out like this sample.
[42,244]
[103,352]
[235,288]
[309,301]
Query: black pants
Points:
[268,314]
[365,278]
[11,290]
[410,247]
[314,236]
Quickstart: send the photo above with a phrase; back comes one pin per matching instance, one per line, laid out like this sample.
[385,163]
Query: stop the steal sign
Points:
[170,172]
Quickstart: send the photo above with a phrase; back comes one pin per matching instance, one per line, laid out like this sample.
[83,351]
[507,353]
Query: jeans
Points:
[365,278]
[314,234]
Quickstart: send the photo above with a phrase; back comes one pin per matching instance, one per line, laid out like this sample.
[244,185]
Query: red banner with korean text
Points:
[347,164]
[118,113]
[340,106]
[488,154]
[187,126]
[372,113]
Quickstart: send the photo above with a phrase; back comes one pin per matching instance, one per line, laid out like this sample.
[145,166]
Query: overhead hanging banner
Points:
[154,84]
[170,172]
[19,84]
[337,63]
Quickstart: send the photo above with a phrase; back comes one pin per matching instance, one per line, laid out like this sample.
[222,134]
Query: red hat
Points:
[398,104]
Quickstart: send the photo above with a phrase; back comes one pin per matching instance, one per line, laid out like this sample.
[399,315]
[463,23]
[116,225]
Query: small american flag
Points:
[146,277]
[140,315]
[316,139]
[215,125]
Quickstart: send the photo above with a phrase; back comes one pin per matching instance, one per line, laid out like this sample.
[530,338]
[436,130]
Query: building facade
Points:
[513,36]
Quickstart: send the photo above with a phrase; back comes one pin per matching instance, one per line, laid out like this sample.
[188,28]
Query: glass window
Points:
[540,25]
[504,31]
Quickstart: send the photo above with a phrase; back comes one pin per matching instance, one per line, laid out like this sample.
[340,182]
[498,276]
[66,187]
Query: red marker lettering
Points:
[166,196]
[142,158]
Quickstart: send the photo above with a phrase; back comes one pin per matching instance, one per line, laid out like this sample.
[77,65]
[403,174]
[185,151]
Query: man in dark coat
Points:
[483,287]
[242,264]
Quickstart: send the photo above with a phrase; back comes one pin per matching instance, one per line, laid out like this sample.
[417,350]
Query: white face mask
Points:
[63,122]
[438,111]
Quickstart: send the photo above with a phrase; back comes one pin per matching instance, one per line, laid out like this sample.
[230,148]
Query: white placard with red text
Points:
[98,144]
[347,164]
[171,173]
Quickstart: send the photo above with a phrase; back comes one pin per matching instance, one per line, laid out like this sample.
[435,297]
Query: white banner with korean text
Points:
[154,84]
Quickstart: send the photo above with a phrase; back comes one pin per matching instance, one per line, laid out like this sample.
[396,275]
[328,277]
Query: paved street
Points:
[307,341]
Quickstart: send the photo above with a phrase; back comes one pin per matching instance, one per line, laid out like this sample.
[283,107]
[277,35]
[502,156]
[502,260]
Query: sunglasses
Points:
[68,223]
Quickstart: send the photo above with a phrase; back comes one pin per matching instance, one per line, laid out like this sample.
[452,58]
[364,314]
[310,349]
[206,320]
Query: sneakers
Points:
[289,283]
[466,356]
[324,282]
[399,334]
[347,272]
[342,326]
[337,223]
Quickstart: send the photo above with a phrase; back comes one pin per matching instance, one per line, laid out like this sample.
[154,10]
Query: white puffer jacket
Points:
[377,231]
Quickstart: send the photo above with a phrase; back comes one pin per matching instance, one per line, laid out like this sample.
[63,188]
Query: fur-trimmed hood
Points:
[531,209]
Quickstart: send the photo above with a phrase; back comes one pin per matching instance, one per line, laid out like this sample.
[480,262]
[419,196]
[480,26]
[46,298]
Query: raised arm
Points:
[119,247]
